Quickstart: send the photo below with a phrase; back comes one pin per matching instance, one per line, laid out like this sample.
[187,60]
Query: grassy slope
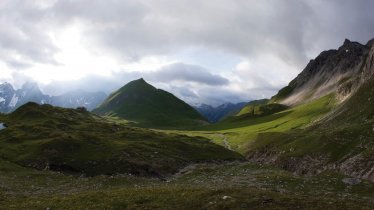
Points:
[347,132]
[259,110]
[150,107]
[251,103]
[243,130]
[78,142]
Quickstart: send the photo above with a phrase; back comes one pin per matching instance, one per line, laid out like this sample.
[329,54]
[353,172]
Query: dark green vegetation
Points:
[283,93]
[202,186]
[150,107]
[78,142]
[258,102]
[260,110]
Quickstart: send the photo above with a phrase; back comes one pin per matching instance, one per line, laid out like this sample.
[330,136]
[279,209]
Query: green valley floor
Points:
[237,185]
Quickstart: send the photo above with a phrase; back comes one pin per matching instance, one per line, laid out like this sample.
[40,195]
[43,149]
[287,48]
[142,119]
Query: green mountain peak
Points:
[139,81]
[141,102]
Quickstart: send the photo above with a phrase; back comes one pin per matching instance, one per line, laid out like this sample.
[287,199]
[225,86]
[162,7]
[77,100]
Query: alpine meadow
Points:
[164,104]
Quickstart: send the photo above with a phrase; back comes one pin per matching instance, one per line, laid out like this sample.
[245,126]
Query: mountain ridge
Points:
[11,99]
[217,113]
[341,70]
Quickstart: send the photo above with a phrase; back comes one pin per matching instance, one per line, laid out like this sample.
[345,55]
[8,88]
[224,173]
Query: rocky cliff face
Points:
[6,97]
[341,71]
[10,98]
[79,98]
[344,139]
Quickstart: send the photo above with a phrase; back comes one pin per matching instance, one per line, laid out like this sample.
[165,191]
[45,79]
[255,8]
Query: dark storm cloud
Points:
[288,28]
[135,28]
[333,21]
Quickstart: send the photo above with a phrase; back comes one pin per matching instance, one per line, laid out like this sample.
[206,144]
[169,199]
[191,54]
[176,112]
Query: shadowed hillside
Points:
[78,142]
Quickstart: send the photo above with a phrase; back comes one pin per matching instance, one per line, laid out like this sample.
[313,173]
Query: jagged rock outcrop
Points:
[79,98]
[7,94]
[10,98]
[341,71]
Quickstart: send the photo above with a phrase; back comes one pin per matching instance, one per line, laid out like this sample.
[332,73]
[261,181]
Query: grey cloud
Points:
[336,20]
[289,28]
[23,34]
[204,94]
[92,83]
[184,93]
[186,73]
[162,27]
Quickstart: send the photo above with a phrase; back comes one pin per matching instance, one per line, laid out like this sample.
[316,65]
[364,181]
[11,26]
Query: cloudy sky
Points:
[210,51]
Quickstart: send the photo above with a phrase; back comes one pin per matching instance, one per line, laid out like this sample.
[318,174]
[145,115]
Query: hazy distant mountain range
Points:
[215,114]
[10,98]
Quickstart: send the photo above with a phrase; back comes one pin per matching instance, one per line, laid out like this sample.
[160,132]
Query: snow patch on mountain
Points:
[13,101]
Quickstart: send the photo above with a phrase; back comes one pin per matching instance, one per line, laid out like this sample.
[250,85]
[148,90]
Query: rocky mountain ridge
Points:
[11,99]
[342,71]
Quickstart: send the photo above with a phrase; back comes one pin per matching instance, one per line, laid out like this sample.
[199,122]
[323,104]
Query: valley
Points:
[310,146]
